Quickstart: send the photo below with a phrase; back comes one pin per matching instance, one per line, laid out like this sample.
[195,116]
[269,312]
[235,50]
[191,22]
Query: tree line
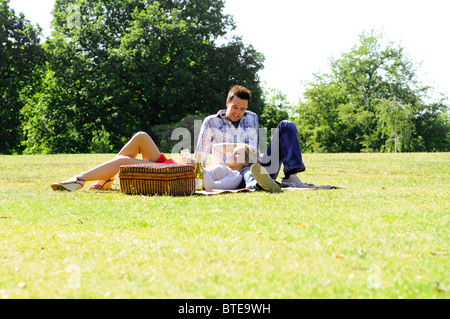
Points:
[111,68]
[372,101]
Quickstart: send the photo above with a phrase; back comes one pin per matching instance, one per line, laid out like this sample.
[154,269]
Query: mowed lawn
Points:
[384,234]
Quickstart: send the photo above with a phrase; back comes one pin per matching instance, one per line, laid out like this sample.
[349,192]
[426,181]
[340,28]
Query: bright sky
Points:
[297,37]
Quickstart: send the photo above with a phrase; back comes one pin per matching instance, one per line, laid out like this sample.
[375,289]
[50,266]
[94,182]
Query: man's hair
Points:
[239,91]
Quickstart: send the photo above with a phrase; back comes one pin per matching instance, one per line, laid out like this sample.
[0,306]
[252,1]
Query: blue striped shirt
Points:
[217,129]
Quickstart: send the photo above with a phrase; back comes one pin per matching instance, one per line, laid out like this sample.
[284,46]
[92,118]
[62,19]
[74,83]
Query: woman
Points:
[105,173]
[142,143]
[224,173]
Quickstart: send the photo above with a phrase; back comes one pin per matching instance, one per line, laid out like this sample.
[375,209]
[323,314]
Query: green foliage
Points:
[101,142]
[318,119]
[371,101]
[275,110]
[432,125]
[395,124]
[20,54]
[133,65]
[166,136]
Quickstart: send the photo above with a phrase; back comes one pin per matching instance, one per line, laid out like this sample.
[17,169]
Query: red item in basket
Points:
[163,159]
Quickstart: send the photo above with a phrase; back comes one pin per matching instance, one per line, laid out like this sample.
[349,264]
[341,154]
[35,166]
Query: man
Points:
[236,125]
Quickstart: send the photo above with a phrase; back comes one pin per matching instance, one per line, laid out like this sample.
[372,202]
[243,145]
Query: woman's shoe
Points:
[102,186]
[69,186]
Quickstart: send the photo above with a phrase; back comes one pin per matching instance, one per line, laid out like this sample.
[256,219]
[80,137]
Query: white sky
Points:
[297,37]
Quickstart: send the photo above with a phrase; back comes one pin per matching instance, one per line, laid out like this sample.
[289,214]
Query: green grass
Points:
[384,235]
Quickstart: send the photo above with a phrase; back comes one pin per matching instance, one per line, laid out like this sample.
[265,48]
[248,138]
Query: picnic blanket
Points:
[242,190]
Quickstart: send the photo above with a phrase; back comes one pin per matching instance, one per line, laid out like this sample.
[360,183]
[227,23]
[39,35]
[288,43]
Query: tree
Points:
[395,124]
[362,104]
[20,54]
[117,67]
[432,127]
[275,110]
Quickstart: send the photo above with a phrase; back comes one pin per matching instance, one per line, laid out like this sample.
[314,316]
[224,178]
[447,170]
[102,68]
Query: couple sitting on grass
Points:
[234,165]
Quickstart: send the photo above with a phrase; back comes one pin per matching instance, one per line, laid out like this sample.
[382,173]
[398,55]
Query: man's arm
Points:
[254,138]
[205,139]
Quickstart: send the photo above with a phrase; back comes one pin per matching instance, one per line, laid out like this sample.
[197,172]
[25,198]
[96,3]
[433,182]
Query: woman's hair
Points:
[239,91]
[251,156]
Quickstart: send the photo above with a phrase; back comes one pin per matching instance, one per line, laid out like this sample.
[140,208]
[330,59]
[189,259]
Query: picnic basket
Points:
[157,179]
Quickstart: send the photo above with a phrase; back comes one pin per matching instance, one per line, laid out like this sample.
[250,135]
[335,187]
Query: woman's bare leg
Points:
[141,142]
[108,170]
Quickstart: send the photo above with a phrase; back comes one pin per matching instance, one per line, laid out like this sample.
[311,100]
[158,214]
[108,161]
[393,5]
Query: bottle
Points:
[199,174]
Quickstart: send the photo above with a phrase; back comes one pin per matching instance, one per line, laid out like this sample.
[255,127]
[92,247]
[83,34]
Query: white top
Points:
[218,176]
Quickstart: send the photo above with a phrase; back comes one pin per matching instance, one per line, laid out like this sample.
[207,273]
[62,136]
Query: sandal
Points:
[69,186]
[101,187]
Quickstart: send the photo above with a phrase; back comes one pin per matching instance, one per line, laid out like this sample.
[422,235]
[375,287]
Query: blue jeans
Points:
[284,148]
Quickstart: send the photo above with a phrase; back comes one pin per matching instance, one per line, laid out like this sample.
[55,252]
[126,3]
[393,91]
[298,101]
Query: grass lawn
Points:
[384,235]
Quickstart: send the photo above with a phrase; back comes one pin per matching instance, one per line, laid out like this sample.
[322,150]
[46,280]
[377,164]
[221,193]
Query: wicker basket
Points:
[157,179]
